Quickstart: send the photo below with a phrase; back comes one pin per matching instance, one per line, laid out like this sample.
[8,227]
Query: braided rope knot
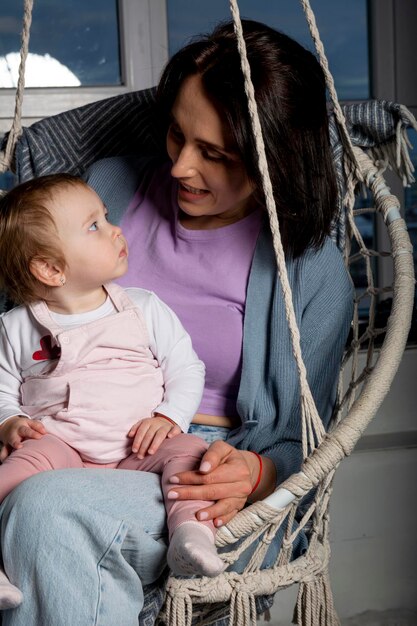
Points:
[247,521]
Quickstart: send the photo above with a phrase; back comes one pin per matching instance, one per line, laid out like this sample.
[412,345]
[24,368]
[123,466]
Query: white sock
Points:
[192,551]
[10,596]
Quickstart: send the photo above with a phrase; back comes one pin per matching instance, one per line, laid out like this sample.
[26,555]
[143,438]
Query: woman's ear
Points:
[47,272]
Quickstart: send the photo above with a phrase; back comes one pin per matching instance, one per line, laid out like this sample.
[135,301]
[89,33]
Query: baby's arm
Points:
[182,371]
[10,378]
[14,427]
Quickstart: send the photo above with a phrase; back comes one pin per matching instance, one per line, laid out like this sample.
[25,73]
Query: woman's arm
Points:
[324,321]
[324,329]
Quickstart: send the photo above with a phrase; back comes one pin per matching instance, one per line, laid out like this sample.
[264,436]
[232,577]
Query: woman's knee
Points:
[32,502]
[80,506]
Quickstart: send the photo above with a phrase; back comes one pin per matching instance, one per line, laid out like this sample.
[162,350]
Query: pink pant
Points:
[179,454]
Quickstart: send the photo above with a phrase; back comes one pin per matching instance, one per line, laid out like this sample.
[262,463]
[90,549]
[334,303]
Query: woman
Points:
[198,236]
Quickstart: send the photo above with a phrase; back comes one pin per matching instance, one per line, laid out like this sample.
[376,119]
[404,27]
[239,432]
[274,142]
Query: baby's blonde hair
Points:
[28,232]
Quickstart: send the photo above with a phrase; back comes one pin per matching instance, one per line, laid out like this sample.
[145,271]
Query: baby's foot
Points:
[10,596]
[192,551]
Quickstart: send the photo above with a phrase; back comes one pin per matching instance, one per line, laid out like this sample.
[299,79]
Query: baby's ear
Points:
[47,272]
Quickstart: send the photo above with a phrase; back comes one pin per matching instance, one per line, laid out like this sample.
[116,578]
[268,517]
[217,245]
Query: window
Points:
[110,46]
[69,46]
[343,29]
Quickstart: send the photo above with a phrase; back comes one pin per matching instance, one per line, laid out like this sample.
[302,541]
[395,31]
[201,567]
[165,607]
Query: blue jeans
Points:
[81,543]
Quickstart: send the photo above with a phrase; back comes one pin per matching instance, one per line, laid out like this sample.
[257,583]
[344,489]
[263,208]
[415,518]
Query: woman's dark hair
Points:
[290,92]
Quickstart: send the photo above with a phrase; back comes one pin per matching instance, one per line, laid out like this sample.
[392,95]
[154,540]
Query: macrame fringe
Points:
[395,153]
[242,609]
[315,603]
[179,609]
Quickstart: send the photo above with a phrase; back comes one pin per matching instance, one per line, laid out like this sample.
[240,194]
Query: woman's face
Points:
[213,187]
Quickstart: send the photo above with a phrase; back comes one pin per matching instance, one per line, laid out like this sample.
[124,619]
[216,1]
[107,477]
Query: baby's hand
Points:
[150,432]
[17,429]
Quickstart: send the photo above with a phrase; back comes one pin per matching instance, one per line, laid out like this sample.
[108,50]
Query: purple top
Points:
[208,297]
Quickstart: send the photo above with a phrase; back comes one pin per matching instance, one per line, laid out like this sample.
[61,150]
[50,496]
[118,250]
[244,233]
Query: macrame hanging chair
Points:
[232,598]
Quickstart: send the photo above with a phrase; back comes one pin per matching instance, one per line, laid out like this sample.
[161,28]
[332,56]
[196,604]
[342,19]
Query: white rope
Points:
[313,430]
[6,157]
[338,113]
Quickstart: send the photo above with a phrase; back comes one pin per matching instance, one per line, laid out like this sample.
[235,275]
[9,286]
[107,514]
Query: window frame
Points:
[143,35]
[384,17]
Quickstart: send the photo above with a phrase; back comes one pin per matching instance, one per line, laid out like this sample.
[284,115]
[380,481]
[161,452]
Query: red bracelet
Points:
[258,480]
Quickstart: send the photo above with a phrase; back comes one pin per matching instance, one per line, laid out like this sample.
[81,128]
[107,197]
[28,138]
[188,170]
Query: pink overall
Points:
[105,380]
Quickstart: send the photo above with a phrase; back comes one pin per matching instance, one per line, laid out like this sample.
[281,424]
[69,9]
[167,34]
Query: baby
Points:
[92,375]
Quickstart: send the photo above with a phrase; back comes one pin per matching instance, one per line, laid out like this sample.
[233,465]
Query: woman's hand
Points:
[227,476]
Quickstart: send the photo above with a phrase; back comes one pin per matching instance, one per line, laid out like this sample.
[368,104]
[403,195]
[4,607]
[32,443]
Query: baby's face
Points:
[95,250]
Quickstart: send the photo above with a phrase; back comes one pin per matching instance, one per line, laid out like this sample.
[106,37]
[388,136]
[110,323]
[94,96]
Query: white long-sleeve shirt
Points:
[22,354]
